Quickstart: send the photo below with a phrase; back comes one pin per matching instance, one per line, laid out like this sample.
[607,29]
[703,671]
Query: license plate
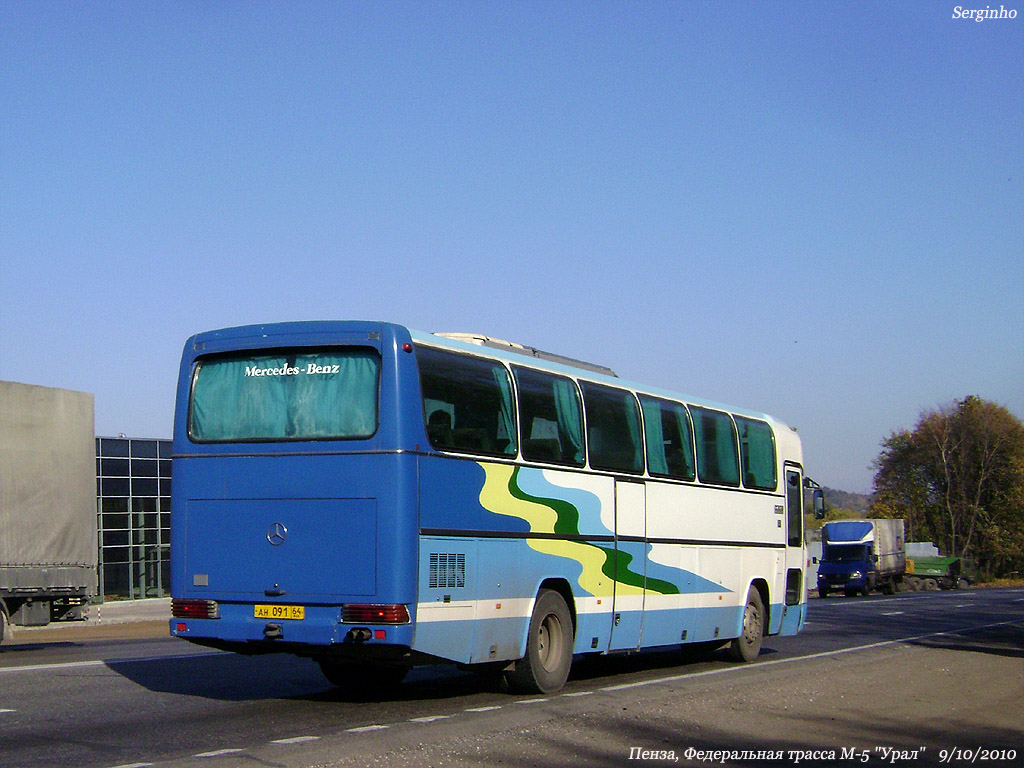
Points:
[287,612]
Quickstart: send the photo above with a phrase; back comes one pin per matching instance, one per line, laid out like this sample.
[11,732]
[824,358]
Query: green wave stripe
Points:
[616,562]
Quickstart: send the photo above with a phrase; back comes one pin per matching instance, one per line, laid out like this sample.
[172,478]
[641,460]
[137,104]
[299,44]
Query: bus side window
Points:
[757,454]
[613,429]
[717,459]
[669,439]
[550,417]
[467,403]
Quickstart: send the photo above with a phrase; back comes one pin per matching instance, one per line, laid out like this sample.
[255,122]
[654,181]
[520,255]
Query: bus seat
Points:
[543,449]
[439,429]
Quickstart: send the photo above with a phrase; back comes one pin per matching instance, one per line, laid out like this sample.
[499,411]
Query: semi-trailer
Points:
[48,546]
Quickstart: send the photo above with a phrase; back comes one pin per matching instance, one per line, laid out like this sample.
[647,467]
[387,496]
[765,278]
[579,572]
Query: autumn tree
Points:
[958,479]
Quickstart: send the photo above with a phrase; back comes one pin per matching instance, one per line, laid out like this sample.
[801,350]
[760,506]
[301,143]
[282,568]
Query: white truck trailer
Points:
[48,546]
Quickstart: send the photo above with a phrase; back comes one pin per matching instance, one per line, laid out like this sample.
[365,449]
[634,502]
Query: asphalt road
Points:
[904,680]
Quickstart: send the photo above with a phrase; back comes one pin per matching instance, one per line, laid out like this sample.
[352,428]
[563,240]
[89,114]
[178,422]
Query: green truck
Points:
[930,573]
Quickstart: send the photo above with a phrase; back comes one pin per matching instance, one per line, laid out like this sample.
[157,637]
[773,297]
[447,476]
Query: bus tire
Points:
[747,646]
[545,667]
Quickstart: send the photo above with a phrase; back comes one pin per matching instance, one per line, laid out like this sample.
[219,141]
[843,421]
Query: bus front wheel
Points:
[747,646]
[545,667]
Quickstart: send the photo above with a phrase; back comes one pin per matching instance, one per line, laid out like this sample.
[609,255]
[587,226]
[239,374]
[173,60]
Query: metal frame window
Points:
[133,516]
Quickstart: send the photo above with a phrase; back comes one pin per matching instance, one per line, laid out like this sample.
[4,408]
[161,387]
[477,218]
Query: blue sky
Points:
[812,209]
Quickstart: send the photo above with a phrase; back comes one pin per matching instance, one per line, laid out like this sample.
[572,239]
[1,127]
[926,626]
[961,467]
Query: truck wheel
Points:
[5,626]
[545,667]
[962,583]
[822,592]
[747,646]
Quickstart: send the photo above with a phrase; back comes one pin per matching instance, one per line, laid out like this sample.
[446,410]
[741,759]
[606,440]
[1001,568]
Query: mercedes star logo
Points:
[277,533]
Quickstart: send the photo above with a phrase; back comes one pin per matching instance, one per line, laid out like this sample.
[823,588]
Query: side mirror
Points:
[819,504]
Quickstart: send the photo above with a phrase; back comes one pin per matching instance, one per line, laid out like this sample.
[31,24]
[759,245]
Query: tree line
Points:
[957,479]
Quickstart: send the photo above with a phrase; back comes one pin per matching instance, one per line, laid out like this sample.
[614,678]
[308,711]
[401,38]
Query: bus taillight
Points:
[194,609]
[355,613]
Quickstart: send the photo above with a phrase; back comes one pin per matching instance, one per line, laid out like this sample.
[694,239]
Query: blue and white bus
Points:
[376,498]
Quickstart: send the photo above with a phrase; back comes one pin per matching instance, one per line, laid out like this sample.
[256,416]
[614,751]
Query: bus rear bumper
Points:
[320,630]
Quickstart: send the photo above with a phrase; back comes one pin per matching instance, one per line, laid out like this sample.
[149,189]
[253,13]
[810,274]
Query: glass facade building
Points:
[133,508]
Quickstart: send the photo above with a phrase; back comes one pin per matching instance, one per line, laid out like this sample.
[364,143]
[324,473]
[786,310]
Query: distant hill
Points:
[852,502]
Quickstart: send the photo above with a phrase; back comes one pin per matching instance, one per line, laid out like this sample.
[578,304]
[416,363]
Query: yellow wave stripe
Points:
[495,497]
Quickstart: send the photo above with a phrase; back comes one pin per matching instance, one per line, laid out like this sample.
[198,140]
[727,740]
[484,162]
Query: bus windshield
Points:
[325,394]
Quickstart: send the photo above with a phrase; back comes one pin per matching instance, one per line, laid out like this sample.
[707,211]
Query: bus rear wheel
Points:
[747,646]
[545,667]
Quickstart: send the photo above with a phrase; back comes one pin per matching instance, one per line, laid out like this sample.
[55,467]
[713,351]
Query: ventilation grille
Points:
[447,570]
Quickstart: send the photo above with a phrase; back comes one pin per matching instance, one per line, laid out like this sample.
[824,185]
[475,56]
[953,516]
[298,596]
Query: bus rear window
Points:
[307,394]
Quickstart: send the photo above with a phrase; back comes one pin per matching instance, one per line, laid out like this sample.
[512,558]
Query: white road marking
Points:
[893,613]
[62,665]
[428,718]
[367,728]
[296,740]
[532,701]
[104,662]
[219,753]
[482,709]
[822,655]
[5,711]
[134,765]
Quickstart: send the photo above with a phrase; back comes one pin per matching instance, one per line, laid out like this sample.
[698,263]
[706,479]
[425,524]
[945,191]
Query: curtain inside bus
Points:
[570,419]
[307,395]
[507,427]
